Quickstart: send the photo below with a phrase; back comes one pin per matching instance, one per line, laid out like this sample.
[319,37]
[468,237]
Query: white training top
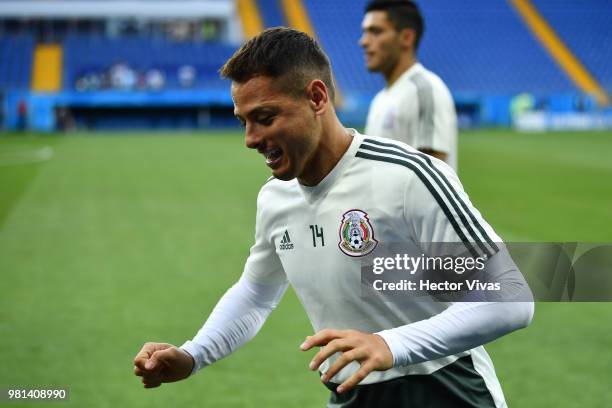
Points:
[315,238]
[417,109]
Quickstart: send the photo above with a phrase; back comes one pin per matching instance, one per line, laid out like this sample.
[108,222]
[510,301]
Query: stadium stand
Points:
[483,50]
[585,29]
[474,46]
[484,47]
[16,53]
[144,54]
[271,13]
[339,38]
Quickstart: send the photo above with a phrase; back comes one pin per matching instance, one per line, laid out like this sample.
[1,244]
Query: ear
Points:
[318,96]
[407,38]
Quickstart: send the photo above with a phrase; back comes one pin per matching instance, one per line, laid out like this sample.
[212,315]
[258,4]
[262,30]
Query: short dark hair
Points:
[402,14]
[282,53]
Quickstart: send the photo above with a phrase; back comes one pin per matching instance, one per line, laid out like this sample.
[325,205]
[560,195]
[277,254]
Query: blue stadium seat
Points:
[477,47]
[485,47]
[86,54]
[338,26]
[271,13]
[586,28]
[16,53]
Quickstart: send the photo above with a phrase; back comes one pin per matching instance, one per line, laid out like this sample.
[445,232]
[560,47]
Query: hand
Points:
[159,363]
[370,350]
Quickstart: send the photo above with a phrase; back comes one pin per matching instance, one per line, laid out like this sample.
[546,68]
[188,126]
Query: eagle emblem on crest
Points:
[356,234]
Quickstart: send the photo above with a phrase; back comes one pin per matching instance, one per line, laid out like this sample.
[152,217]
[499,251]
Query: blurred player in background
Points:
[415,107]
[327,179]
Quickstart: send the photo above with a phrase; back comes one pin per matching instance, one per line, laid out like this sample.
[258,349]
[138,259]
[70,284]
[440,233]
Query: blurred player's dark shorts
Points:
[457,385]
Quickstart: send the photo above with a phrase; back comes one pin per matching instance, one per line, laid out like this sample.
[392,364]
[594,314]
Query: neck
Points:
[403,65]
[335,140]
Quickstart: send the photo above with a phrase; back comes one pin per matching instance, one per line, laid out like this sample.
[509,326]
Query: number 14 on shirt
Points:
[317,233]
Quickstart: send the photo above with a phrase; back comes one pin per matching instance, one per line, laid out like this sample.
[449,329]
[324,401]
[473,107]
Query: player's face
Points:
[282,127]
[380,42]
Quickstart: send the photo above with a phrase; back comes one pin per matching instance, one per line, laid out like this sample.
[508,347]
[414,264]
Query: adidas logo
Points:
[286,242]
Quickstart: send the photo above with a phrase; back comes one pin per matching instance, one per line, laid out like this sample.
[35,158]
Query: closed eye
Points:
[266,120]
[372,30]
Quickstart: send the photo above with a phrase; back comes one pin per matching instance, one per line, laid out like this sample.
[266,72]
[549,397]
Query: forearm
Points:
[236,319]
[467,324]
[461,327]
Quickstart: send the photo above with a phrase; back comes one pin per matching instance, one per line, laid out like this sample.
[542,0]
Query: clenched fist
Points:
[159,363]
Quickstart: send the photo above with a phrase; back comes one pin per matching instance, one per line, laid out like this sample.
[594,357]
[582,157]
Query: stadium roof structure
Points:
[163,10]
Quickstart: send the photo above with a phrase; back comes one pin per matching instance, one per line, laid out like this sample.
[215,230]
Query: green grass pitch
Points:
[122,238]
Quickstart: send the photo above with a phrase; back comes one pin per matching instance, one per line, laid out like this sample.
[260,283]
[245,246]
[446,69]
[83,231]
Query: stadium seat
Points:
[16,61]
[143,54]
[585,28]
[475,46]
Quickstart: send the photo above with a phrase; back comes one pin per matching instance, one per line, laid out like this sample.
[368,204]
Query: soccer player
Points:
[415,107]
[334,198]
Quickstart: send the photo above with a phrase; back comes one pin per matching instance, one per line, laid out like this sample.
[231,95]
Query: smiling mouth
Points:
[273,156]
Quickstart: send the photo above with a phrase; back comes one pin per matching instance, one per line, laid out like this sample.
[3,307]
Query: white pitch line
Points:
[26,156]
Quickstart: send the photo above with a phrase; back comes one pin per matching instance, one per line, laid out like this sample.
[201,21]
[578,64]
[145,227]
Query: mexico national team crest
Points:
[356,234]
